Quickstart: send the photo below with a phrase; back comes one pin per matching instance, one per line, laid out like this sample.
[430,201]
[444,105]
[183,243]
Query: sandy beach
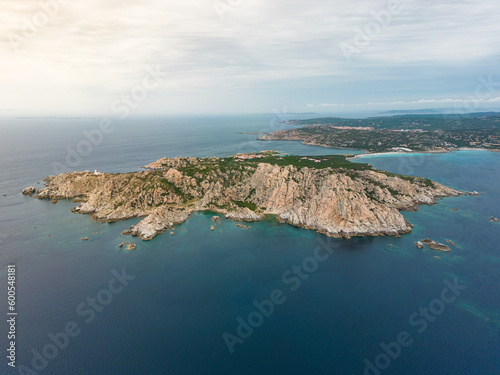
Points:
[418,152]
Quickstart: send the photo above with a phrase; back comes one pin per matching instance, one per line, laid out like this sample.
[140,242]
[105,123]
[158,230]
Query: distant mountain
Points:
[433,111]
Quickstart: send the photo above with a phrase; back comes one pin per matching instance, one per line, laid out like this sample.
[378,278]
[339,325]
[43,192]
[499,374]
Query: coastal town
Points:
[423,134]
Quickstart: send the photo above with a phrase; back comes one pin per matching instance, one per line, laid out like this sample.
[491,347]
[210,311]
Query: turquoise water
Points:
[192,287]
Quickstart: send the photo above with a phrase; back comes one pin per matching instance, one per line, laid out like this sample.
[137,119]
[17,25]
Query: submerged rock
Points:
[158,221]
[131,246]
[29,191]
[435,245]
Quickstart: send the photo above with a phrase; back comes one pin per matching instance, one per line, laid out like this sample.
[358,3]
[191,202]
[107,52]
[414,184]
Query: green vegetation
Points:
[249,205]
[412,179]
[234,170]
[170,186]
[372,196]
[233,167]
[382,186]
[415,132]
[390,174]
[154,180]
[269,152]
[221,206]
[206,167]
[252,192]
[458,121]
[427,182]
[191,201]
[315,162]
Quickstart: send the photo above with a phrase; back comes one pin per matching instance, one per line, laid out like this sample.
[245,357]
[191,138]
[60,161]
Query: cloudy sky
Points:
[247,56]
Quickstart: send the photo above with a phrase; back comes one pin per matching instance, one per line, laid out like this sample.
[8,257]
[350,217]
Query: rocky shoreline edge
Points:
[337,202]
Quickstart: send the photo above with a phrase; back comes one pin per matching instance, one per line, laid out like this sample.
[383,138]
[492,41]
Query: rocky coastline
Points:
[336,201]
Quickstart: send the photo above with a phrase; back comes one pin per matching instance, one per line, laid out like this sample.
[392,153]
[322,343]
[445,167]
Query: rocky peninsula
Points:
[327,194]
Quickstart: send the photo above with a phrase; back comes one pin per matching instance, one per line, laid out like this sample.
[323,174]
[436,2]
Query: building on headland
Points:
[311,159]
[401,149]
[248,156]
[262,154]
[366,128]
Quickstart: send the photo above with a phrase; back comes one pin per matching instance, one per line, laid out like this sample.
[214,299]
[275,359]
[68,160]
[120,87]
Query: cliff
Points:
[327,194]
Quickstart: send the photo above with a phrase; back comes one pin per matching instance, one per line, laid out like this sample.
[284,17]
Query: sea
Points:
[267,299]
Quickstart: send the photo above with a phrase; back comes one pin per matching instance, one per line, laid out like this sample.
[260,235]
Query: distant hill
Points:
[471,121]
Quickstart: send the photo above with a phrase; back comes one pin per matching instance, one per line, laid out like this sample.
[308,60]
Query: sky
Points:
[247,56]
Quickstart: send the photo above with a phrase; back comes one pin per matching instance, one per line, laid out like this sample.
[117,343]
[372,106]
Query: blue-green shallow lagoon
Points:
[190,288]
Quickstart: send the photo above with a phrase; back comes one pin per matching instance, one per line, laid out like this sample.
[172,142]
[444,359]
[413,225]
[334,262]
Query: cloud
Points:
[411,102]
[469,103]
[89,52]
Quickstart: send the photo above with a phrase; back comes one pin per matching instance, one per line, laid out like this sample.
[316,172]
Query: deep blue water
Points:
[192,287]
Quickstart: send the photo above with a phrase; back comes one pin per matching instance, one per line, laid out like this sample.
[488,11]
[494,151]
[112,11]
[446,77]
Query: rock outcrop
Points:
[29,191]
[157,222]
[338,202]
[131,246]
[244,214]
[436,246]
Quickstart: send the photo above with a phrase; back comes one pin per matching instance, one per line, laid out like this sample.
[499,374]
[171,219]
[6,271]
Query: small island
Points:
[328,194]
